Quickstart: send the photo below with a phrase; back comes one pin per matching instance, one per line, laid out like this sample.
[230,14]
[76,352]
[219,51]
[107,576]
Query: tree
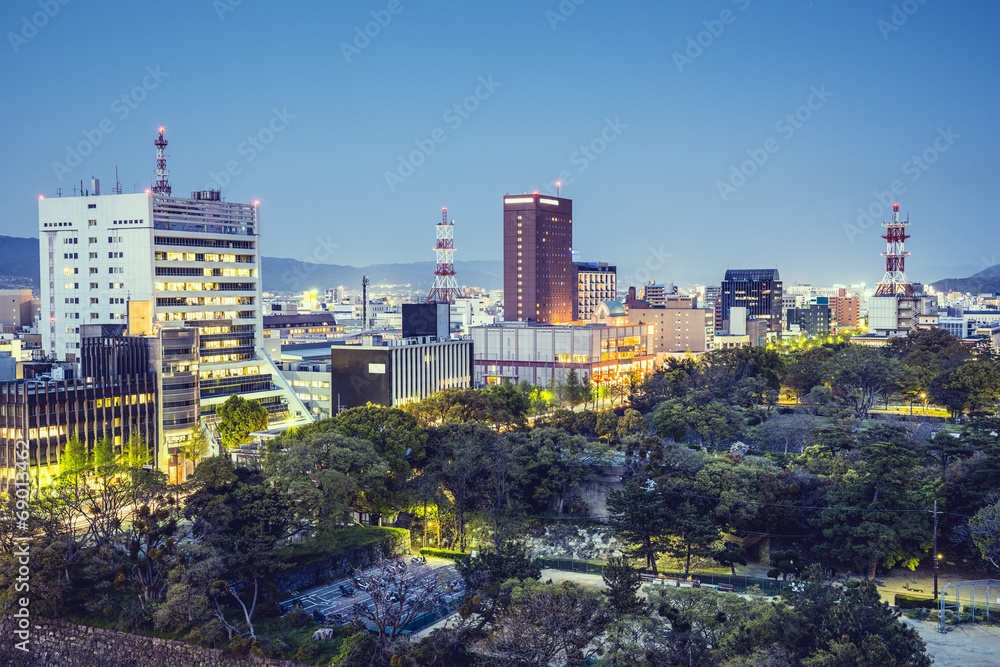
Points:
[638,517]
[863,374]
[197,446]
[622,582]
[787,562]
[731,555]
[238,418]
[851,625]
[397,598]
[549,624]
[397,438]
[238,512]
[979,383]
[457,454]
[553,463]
[692,532]
[324,476]
[574,390]
[485,575]
[984,529]
[607,423]
[75,461]
[631,422]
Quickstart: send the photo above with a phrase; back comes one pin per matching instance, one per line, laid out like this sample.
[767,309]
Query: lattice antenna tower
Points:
[445,284]
[162,184]
[895,282]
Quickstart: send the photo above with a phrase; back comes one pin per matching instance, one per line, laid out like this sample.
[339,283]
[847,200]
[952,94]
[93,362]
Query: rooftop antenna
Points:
[558,185]
[364,302]
[162,186]
[118,184]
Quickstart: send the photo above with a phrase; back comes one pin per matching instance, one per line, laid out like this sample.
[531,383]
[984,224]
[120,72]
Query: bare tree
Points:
[399,595]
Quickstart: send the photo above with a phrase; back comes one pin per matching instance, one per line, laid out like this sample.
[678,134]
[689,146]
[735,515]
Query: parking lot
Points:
[328,599]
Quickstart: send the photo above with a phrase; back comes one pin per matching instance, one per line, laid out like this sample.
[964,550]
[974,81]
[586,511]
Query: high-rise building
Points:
[155,259]
[758,290]
[538,278]
[595,282]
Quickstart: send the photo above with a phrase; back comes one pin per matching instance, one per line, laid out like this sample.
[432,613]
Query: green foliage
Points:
[457,556]
[238,418]
[622,583]
[914,602]
[297,618]
[638,518]
[324,476]
[197,447]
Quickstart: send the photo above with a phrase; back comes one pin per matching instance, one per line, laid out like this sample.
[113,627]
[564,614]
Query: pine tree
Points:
[622,581]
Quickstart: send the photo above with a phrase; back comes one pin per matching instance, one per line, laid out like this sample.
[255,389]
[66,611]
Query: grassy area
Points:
[348,539]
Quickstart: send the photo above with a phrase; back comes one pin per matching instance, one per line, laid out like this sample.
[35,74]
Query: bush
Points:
[915,602]
[308,652]
[298,618]
[444,553]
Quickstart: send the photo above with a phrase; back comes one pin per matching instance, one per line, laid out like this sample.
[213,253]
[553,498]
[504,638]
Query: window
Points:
[91,205]
[92,223]
[93,270]
[93,239]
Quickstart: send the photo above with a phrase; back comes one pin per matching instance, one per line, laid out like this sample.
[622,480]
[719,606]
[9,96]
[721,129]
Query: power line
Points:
[805,507]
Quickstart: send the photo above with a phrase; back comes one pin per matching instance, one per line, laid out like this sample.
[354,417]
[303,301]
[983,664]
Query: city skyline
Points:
[735,135]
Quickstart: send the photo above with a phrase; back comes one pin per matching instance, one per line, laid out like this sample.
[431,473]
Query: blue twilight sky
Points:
[652,112]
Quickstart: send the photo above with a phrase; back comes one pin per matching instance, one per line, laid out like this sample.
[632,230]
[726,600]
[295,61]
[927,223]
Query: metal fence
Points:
[740,583]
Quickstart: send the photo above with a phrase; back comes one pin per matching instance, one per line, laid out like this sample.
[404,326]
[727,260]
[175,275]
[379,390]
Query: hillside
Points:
[19,267]
[289,275]
[987,280]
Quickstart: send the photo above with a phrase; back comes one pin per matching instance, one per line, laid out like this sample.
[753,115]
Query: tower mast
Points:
[162,184]
[895,282]
[445,284]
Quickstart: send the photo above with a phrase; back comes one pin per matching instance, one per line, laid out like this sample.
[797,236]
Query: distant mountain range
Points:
[291,275]
[19,265]
[987,280]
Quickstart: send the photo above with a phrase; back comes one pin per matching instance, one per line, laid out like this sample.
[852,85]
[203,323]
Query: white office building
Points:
[193,261]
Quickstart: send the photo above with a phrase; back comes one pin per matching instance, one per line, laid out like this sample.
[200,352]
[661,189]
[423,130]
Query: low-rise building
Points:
[394,372]
[543,355]
[44,415]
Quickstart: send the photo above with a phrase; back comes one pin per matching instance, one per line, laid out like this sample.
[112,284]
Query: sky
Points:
[692,137]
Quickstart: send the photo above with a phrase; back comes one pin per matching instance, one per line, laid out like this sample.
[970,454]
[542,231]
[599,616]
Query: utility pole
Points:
[935,551]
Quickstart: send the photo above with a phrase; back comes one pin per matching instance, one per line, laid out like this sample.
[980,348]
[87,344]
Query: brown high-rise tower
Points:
[538,280]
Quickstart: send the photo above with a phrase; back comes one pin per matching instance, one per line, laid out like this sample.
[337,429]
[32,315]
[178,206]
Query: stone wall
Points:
[583,543]
[333,567]
[55,642]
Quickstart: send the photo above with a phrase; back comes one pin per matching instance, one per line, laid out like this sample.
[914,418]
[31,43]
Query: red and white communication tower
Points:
[162,184]
[445,284]
[895,282]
